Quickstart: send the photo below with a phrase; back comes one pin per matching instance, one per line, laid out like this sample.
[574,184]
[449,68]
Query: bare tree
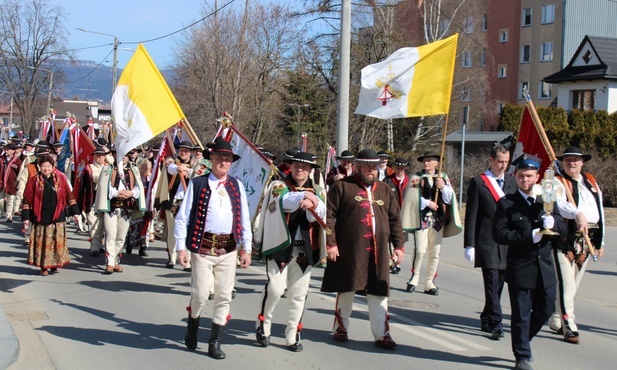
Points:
[32,40]
[236,62]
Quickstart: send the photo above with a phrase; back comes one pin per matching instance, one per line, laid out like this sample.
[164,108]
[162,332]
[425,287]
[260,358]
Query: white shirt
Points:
[172,169]
[219,219]
[113,192]
[446,193]
[586,203]
[291,203]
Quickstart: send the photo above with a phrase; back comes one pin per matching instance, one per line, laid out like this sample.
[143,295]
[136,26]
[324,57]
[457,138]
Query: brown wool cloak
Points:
[354,268]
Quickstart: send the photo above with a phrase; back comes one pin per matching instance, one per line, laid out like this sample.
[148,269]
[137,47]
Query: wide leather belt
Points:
[217,244]
[118,203]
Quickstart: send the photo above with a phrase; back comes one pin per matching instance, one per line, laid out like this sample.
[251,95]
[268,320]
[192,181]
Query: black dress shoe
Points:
[129,250]
[170,265]
[496,334]
[263,340]
[296,347]
[486,328]
[433,291]
[143,253]
[410,288]
[94,253]
[284,295]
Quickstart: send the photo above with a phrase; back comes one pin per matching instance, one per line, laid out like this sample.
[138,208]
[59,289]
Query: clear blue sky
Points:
[131,21]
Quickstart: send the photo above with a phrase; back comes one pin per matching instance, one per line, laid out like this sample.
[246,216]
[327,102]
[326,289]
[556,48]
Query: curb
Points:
[9,345]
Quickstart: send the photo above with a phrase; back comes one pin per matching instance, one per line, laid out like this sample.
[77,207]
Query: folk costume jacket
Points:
[479,216]
[362,224]
[527,261]
[412,215]
[10,176]
[88,184]
[102,203]
[45,200]
[597,238]
[272,235]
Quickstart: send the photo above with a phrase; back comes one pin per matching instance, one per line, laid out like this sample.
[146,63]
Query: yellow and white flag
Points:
[412,82]
[142,106]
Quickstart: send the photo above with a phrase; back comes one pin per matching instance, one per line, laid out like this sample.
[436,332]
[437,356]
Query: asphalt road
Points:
[80,318]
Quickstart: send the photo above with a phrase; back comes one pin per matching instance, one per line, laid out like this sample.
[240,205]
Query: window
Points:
[583,99]
[484,22]
[503,35]
[444,27]
[501,71]
[467,59]
[526,21]
[525,53]
[545,90]
[468,24]
[466,94]
[481,91]
[524,90]
[500,106]
[548,13]
[546,51]
[483,58]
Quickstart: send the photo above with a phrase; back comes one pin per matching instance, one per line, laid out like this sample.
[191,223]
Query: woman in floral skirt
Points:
[46,197]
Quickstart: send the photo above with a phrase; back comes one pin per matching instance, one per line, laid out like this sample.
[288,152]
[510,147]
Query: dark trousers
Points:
[493,287]
[531,308]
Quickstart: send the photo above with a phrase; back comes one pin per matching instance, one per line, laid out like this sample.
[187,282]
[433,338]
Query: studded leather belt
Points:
[217,244]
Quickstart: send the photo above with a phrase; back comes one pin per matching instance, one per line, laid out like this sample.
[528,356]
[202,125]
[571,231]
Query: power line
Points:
[92,70]
[182,29]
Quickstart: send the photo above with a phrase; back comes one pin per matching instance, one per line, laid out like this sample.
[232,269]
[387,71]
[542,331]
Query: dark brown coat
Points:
[358,267]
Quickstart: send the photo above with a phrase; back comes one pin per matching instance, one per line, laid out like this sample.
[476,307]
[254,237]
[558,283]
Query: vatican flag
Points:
[142,106]
[412,82]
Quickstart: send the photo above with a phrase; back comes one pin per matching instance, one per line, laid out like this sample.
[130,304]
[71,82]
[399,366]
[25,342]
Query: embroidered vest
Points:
[199,210]
[590,182]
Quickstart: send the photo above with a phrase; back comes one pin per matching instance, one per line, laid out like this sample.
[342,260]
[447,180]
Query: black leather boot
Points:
[190,339]
[214,344]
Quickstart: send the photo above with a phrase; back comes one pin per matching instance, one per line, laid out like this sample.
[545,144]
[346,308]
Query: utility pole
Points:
[342,128]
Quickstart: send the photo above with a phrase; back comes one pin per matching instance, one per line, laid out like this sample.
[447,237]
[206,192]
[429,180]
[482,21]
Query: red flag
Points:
[529,143]
[82,150]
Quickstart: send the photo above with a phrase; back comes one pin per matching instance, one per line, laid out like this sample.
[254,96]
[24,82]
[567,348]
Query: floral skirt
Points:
[47,248]
[134,239]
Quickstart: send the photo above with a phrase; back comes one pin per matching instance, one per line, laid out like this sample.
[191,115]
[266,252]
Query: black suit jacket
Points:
[479,216]
[527,262]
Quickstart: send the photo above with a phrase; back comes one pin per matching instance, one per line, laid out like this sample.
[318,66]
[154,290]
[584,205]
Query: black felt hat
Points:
[346,155]
[400,162]
[574,151]
[367,156]
[186,144]
[304,157]
[429,154]
[219,146]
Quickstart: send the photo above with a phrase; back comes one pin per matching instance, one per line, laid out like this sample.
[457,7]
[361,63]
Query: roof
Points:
[477,136]
[603,68]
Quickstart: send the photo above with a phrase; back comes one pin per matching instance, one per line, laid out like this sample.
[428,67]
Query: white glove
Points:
[549,222]
[535,234]
[470,253]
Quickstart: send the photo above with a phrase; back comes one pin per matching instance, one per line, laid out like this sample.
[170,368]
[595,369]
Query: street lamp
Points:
[114,67]
[298,106]
[51,81]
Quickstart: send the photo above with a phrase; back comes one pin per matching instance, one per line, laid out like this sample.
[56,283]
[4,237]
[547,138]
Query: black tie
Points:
[531,200]
[500,183]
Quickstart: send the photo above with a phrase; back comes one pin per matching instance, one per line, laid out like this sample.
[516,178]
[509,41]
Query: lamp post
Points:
[114,67]
[298,106]
[51,81]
